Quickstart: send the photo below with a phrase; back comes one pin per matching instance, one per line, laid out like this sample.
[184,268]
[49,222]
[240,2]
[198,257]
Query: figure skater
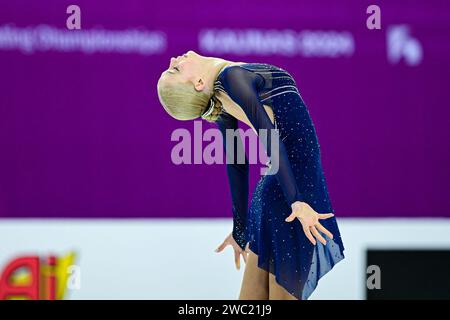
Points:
[288,237]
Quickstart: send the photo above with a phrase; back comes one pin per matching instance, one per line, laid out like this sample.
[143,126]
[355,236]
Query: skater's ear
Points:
[199,85]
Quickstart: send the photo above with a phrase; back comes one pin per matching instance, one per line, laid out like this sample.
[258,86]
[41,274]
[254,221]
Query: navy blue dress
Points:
[282,247]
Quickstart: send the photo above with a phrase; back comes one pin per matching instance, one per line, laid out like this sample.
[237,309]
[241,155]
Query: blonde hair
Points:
[183,102]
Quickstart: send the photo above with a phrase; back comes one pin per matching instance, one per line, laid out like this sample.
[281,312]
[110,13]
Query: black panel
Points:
[410,274]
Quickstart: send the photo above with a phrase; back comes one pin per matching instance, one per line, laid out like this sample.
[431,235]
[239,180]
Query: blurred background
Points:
[92,205]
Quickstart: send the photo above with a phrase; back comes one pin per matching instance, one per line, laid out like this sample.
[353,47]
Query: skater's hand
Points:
[229,240]
[310,221]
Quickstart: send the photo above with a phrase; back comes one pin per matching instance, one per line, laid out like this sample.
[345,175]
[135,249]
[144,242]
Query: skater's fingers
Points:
[324,230]
[291,217]
[237,259]
[309,235]
[222,246]
[318,235]
[325,215]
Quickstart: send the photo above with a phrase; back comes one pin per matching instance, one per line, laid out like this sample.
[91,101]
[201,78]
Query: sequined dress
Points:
[282,247]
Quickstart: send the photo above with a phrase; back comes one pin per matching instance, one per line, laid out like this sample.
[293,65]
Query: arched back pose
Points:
[289,232]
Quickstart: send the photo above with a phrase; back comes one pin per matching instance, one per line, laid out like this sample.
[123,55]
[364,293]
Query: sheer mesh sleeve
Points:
[237,171]
[241,85]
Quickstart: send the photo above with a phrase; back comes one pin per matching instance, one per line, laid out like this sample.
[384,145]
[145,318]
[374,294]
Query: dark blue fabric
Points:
[282,247]
[237,171]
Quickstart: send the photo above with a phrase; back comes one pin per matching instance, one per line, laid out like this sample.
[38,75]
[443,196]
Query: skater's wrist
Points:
[298,205]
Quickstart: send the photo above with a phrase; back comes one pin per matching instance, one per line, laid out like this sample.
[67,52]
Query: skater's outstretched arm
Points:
[237,171]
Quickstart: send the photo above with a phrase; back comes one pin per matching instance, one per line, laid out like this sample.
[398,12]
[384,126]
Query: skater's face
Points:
[185,68]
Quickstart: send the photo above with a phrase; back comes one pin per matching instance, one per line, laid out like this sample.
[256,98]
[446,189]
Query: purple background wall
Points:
[83,135]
